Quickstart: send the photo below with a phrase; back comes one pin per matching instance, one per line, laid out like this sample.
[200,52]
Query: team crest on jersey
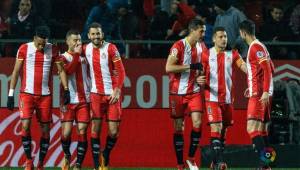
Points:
[103,56]
[174,52]
[259,54]
[117,54]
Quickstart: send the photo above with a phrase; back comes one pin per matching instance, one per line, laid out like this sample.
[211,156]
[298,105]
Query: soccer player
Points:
[260,87]
[183,66]
[218,64]
[79,84]
[107,76]
[36,58]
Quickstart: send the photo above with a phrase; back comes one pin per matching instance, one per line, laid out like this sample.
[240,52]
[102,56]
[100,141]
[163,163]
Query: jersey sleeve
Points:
[175,50]
[114,53]
[21,54]
[56,54]
[237,59]
[118,65]
[259,53]
[83,50]
[70,64]
[204,60]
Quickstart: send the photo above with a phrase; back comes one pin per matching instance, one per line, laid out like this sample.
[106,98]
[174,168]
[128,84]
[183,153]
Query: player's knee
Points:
[178,125]
[251,129]
[216,127]
[96,127]
[25,132]
[196,123]
[178,128]
[113,133]
[82,131]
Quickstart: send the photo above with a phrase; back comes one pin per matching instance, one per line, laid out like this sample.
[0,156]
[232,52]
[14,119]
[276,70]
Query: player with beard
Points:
[107,76]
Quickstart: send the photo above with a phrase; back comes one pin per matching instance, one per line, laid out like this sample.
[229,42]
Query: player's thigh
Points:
[44,109]
[177,106]
[26,106]
[82,113]
[114,112]
[82,127]
[213,112]
[66,128]
[227,110]
[196,119]
[98,105]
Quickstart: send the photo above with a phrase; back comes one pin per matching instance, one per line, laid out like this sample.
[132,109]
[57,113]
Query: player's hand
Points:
[246,93]
[196,66]
[10,102]
[67,97]
[115,96]
[78,48]
[201,80]
[264,98]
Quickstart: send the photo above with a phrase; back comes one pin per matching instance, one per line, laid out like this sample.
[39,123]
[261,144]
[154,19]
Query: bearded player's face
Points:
[96,36]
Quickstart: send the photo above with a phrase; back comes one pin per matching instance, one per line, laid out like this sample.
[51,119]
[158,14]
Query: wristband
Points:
[11,92]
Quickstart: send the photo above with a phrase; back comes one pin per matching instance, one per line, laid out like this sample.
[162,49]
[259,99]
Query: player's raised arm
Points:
[70,67]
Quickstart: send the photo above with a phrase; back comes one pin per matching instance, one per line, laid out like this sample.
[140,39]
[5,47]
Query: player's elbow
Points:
[168,69]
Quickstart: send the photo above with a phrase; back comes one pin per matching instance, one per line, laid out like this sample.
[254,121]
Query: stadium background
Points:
[146,129]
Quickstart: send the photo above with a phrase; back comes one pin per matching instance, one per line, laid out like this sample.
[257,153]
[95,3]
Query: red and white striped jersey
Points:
[218,69]
[78,78]
[257,55]
[185,82]
[37,68]
[101,65]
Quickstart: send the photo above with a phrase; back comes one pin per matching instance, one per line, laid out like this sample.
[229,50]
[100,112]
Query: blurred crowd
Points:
[276,20]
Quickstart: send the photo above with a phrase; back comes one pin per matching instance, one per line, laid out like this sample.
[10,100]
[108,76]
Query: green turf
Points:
[153,169]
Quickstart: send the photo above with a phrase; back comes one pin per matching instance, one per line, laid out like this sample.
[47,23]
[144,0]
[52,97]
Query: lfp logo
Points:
[268,155]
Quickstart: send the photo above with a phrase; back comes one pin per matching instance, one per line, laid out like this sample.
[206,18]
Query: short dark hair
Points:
[277,6]
[195,23]
[248,26]
[42,32]
[223,4]
[72,32]
[216,29]
[95,25]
